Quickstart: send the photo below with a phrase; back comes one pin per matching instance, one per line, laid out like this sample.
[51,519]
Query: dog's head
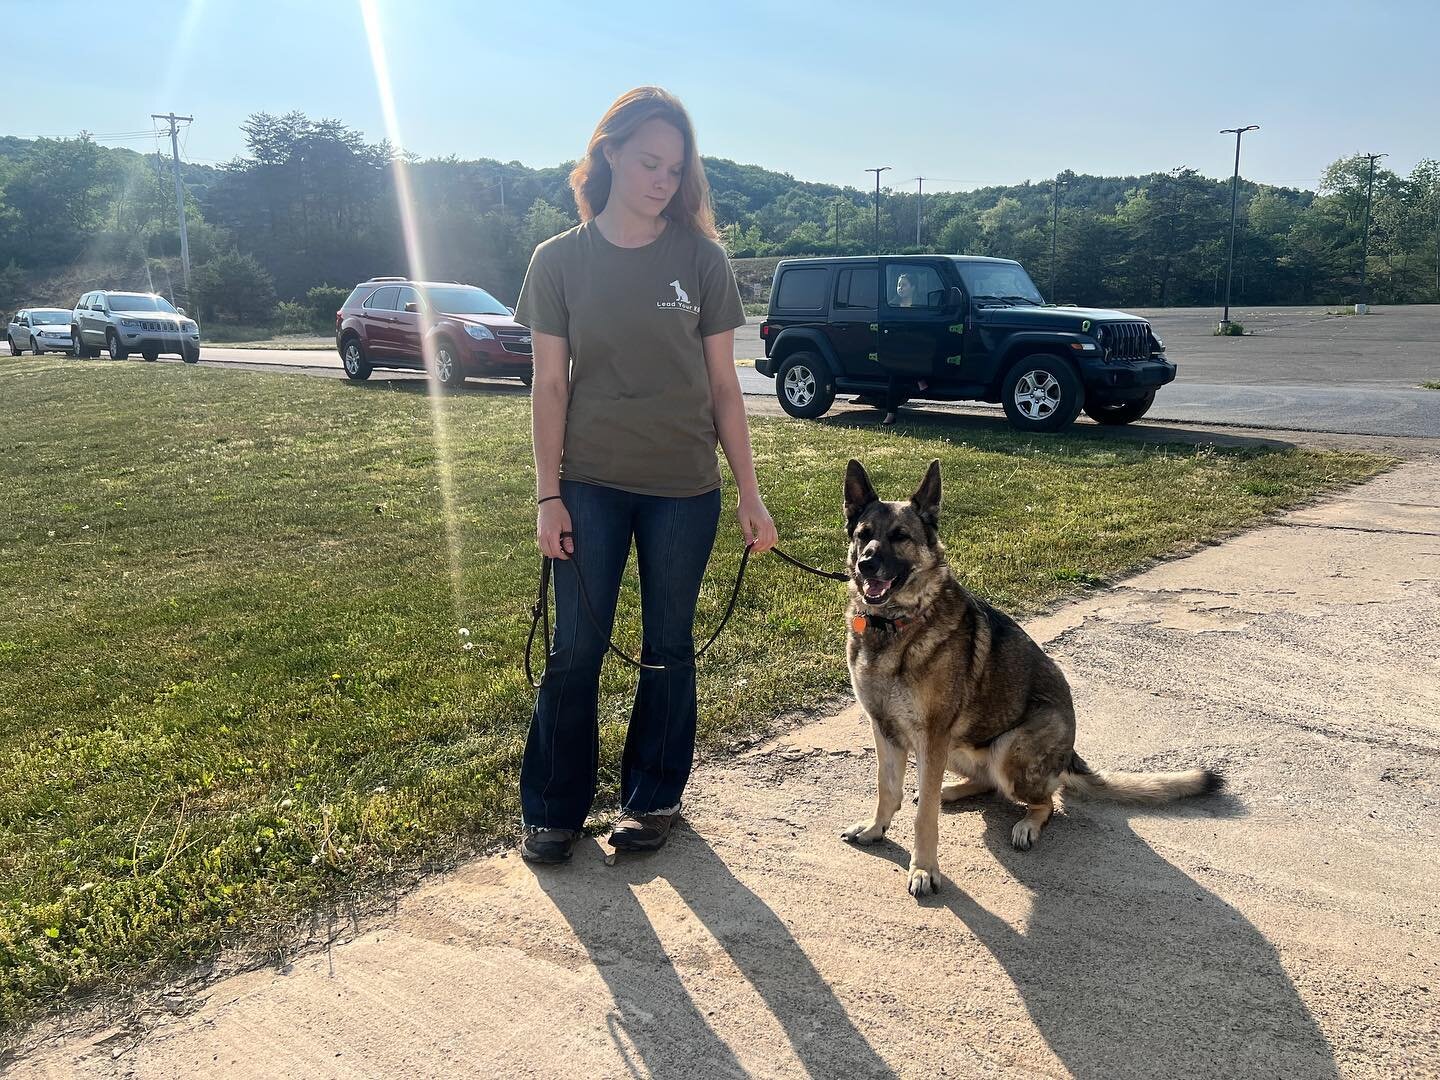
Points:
[892,544]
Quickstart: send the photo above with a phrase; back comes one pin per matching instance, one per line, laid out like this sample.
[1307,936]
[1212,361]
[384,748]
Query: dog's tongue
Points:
[876,587]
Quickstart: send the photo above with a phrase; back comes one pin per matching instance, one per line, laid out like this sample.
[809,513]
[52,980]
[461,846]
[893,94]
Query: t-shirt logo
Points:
[681,301]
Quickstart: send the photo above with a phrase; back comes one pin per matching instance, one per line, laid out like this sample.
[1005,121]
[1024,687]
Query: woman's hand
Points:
[551,520]
[756,524]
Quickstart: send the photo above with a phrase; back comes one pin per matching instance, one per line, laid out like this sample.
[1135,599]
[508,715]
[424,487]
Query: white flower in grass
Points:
[464,630]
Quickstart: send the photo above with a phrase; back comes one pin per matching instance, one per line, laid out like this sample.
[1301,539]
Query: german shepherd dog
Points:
[944,675]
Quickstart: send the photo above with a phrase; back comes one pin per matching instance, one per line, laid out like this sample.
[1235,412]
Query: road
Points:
[1300,369]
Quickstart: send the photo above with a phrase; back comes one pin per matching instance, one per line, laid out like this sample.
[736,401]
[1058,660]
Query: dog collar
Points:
[861,623]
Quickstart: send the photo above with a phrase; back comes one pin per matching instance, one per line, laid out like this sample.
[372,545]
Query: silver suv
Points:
[126,322]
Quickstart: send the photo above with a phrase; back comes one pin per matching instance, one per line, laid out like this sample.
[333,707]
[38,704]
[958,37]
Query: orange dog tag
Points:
[858,624]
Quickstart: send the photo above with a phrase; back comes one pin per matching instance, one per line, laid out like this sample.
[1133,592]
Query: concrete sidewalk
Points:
[1285,929]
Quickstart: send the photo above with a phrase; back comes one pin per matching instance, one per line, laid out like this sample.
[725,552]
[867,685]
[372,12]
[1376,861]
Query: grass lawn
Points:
[233,682]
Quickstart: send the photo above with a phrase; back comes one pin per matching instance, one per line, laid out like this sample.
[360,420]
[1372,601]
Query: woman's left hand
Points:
[757,525]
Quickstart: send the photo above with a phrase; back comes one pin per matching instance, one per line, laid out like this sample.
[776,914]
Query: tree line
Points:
[310,208]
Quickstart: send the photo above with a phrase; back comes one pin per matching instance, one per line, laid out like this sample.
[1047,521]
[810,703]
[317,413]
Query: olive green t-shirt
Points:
[640,416]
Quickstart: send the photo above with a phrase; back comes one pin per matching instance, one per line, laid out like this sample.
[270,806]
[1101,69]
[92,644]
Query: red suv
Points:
[392,322]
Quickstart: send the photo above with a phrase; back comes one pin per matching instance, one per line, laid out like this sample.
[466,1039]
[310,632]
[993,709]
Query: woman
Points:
[633,316]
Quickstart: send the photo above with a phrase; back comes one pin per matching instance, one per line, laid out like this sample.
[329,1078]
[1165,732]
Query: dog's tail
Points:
[1158,787]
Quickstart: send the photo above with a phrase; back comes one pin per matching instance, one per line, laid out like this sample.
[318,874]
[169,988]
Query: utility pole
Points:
[1054,229]
[920,207]
[837,226]
[1234,192]
[1437,239]
[877,172]
[174,122]
[1364,305]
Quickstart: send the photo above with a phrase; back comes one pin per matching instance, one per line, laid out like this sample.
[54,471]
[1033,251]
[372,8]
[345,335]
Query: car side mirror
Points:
[412,306]
[181,310]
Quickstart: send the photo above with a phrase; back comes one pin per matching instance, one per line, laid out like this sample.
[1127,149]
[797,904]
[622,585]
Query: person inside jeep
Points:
[904,291]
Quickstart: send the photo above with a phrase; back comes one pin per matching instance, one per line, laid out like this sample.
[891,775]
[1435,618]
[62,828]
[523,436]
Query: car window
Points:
[353,300]
[857,287]
[383,299]
[408,296]
[803,288]
[913,286]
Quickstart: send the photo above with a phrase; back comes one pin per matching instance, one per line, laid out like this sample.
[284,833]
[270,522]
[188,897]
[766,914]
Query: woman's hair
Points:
[590,179]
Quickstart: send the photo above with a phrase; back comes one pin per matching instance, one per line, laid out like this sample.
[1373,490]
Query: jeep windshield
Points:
[465,301]
[999,283]
[139,302]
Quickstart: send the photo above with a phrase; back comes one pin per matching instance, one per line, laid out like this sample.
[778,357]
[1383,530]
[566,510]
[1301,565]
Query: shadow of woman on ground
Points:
[655,1015]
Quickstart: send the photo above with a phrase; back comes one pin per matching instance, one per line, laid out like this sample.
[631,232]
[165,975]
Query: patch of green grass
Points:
[1230,329]
[309,342]
[233,683]
[1430,385]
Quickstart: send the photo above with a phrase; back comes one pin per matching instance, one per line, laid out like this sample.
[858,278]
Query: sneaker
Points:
[642,832]
[548,845]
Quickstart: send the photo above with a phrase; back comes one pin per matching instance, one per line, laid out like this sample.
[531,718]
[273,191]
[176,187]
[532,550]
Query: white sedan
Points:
[40,330]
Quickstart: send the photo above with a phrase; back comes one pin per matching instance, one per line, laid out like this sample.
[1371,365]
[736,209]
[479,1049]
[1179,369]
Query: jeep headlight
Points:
[189,326]
[1159,345]
[480,333]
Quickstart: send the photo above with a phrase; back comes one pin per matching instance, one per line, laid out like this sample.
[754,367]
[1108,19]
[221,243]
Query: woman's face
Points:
[647,168]
[904,288]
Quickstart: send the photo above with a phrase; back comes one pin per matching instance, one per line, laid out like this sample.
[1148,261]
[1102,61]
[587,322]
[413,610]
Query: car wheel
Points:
[804,386]
[114,348]
[150,354]
[447,372]
[13,350]
[1115,413]
[1042,393]
[35,348]
[190,354]
[352,358]
[528,378]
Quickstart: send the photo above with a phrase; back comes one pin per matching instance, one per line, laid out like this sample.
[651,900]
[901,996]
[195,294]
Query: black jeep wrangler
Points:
[952,328]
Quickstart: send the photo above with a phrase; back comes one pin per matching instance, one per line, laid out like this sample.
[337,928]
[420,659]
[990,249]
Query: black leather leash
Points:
[540,611]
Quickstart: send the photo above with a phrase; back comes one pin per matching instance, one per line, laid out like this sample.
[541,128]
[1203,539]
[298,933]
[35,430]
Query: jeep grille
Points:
[1127,340]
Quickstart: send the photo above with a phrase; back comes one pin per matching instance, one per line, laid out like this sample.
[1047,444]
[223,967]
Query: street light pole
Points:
[1234,193]
[1364,305]
[919,208]
[877,172]
[1054,230]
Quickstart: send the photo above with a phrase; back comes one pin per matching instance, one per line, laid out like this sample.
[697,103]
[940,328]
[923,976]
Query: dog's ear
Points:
[926,499]
[858,493]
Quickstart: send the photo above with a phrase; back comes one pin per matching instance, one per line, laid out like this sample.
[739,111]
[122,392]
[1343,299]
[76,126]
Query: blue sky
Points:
[967,94]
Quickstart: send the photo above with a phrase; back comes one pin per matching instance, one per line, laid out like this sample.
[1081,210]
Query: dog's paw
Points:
[863,832]
[1024,835]
[923,882]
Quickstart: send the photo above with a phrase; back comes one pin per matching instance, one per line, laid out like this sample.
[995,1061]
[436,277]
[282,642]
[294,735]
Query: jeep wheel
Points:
[1042,393]
[150,354]
[190,354]
[804,386]
[1119,412]
[448,372]
[352,356]
[114,348]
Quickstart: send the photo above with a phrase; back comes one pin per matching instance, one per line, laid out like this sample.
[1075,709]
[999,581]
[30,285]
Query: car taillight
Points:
[764,330]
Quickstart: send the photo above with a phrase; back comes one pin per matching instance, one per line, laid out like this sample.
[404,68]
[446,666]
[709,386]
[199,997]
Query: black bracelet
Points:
[547,499]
